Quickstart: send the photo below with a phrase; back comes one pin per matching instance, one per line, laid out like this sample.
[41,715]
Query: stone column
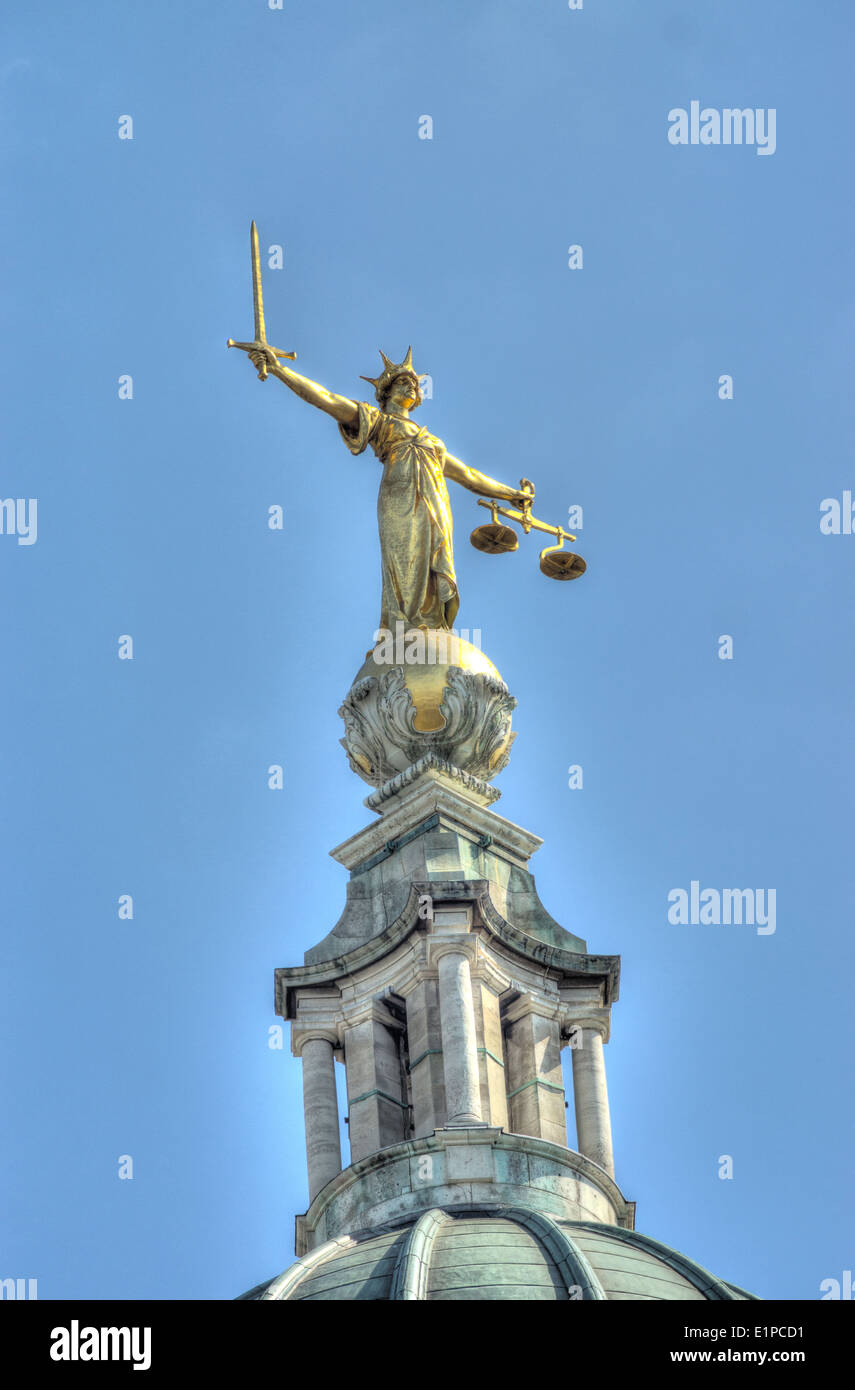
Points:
[591,1099]
[459,1042]
[323,1146]
[535,1080]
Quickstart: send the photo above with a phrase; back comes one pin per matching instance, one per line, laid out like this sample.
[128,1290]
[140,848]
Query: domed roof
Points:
[501,1254]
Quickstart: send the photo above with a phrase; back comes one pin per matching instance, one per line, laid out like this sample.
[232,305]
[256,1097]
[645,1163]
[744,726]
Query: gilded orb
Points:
[426,690]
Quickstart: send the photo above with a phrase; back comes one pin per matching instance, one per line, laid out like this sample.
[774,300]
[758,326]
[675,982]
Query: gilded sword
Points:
[260,340]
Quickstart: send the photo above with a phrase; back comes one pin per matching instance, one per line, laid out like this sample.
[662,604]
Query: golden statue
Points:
[413,506]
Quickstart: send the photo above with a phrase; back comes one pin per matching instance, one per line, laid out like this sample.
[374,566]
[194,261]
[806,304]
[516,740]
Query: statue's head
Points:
[397,382]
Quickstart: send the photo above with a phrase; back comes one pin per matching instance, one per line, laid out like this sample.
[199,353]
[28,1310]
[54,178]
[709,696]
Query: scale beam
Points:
[526,520]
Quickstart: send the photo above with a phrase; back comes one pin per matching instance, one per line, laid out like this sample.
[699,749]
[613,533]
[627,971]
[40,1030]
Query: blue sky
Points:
[701,518]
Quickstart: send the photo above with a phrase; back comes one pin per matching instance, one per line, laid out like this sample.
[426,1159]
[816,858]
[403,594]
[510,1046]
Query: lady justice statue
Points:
[419,584]
[413,507]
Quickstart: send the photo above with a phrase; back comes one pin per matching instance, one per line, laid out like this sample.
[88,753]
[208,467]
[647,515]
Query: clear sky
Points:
[148,777]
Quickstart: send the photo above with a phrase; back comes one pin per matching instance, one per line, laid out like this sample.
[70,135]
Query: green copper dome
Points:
[507,1253]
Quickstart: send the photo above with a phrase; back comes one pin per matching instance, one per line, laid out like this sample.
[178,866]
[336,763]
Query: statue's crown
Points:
[391,370]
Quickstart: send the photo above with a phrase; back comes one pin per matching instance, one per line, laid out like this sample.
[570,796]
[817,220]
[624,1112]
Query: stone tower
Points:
[448,992]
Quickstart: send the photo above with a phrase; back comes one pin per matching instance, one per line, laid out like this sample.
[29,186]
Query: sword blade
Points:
[257,301]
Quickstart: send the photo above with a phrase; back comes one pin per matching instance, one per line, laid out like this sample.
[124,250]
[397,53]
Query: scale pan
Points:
[494,539]
[562,564]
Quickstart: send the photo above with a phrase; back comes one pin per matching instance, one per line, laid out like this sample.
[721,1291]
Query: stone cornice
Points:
[553,957]
[570,964]
[427,797]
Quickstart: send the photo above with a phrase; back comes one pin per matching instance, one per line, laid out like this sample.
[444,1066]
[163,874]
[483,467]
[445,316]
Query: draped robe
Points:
[414,517]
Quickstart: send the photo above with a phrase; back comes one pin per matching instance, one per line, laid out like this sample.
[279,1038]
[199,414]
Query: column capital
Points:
[303,1033]
[462,945]
[598,1020]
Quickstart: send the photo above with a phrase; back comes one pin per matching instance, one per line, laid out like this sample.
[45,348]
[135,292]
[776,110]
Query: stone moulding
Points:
[551,956]
[412,1270]
[431,762]
[381,742]
[289,978]
[547,1185]
[571,1263]
[286,1283]
[410,1280]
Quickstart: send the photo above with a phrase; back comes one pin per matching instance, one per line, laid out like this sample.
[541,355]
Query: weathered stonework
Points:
[449,993]
[480,1168]
[449,1003]
[382,738]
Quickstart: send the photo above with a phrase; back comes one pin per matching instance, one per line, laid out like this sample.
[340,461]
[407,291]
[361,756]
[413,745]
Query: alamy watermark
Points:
[705,907]
[19,1289]
[16,520]
[76,1343]
[418,646]
[732,125]
[838,1288]
[837,517]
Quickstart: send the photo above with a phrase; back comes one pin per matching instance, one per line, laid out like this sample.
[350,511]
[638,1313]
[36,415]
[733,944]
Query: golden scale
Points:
[495,539]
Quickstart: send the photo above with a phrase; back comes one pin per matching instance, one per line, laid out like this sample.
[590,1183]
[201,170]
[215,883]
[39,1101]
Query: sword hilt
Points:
[253,347]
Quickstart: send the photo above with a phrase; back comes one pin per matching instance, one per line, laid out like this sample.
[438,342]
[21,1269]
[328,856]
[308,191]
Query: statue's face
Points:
[403,393]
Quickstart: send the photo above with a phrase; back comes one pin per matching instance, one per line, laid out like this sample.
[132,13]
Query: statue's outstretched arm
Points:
[479,482]
[339,407]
